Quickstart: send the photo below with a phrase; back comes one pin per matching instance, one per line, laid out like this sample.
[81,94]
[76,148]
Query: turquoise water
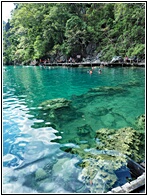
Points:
[37,142]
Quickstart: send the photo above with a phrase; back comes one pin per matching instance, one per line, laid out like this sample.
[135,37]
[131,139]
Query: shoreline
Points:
[85,64]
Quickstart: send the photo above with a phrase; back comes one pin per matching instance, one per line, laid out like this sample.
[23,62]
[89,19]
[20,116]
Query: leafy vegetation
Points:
[51,30]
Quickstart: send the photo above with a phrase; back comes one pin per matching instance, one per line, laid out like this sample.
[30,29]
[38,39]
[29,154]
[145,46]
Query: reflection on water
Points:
[48,146]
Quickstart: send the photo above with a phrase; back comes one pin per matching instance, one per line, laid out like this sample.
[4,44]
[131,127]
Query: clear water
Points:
[33,157]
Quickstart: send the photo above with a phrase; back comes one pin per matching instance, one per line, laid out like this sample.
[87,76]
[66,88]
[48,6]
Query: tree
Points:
[45,29]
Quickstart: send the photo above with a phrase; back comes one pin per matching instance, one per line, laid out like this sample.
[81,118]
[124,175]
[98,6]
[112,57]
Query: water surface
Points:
[37,146]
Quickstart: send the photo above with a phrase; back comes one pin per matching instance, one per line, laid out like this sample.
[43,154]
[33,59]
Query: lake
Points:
[50,119]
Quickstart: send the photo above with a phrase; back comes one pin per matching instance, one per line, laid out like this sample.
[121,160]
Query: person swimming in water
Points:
[100,71]
[90,71]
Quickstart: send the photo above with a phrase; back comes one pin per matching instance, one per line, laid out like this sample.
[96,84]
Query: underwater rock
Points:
[40,174]
[107,89]
[108,120]
[125,140]
[84,130]
[81,151]
[98,174]
[104,133]
[57,167]
[79,100]
[76,186]
[131,84]
[36,151]
[58,112]
[65,168]
[55,104]
[100,111]
[66,114]
[140,122]
[48,167]
[48,186]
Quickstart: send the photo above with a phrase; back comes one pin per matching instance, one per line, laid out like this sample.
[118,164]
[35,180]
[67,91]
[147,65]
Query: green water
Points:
[36,138]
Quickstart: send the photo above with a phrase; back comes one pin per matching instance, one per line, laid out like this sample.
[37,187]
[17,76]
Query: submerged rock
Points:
[59,165]
[64,169]
[108,120]
[100,111]
[125,140]
[58,112]
[131,84]
[84,130]
[40,174]
[98,174]
[55,104]
[140,122]
[108,89]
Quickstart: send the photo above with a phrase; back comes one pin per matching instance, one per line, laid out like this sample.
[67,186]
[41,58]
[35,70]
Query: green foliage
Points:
[39,47]
[44,29]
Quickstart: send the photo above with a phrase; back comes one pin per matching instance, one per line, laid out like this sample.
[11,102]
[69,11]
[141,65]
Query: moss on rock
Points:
[140,122]
[125,140]
[55,104]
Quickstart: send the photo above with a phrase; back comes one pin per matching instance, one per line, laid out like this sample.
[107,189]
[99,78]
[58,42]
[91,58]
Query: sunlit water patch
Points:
[50,119]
